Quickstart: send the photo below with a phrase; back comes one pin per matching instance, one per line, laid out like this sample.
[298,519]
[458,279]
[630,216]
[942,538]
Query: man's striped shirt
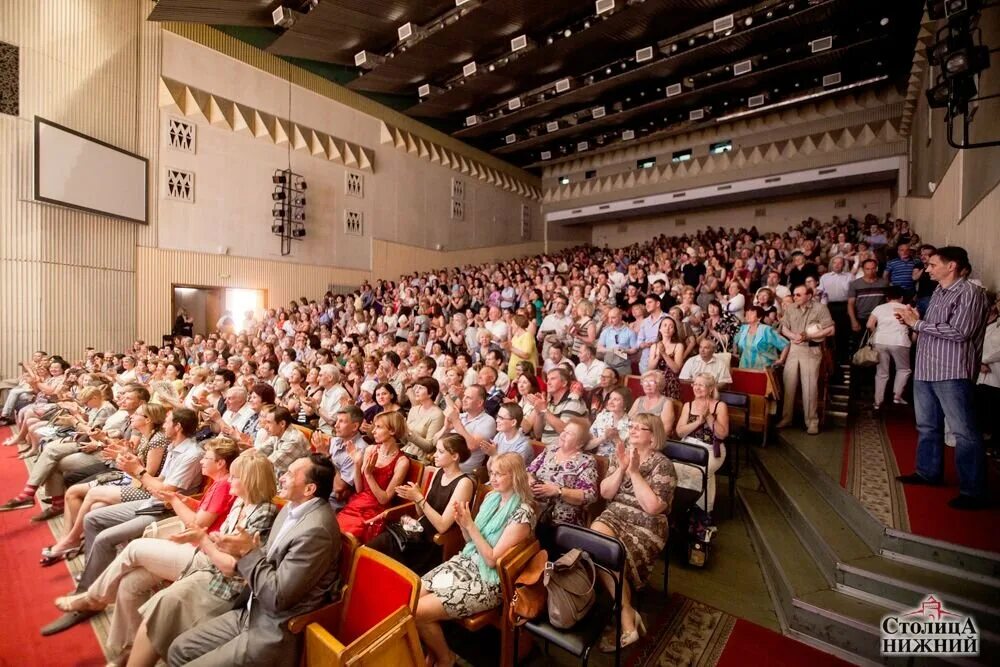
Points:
[950,337]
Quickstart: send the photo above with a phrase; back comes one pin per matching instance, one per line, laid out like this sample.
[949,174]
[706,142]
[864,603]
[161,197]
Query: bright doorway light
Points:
[239,301]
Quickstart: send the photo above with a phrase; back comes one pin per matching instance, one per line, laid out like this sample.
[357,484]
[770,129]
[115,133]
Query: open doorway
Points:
[205,307]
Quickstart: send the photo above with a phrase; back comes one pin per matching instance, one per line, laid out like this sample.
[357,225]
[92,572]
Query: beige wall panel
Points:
[158,270]
[62,309]
[779,215]
[150,37]
[938,221]
[68,275]
[407,198]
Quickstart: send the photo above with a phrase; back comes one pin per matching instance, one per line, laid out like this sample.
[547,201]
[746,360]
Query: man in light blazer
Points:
[290,575]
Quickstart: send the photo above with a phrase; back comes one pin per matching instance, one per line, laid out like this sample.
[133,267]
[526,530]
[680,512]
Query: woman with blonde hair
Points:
[149,444]
[653,402]
[468,583]
[639,488]
[205,579]
[378,470]
[704,421]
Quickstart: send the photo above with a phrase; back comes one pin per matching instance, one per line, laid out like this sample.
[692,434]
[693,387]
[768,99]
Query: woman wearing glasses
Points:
[468,583]
[639,488]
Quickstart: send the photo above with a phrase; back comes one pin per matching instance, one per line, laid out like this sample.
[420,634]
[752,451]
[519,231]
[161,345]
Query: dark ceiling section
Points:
[610,38]
[483,34]
[509,103]
[215,12]
[724,50]
[336,30]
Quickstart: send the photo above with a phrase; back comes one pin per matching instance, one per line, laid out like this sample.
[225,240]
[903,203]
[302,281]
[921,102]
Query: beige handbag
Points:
[866,355]
[165,528]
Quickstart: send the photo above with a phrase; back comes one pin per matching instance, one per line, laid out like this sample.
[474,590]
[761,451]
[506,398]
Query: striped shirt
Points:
[900,272]
[950,337]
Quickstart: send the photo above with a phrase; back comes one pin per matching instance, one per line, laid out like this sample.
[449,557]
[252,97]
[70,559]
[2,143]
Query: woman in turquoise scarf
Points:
[468,583]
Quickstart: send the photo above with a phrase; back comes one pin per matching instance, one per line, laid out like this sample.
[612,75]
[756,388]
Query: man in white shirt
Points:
[333,394]
[708,362]
[554,325]
[616,277]
[238,411]
[107,527]
[496,326]
[588,371]
[653,274]
[473,423]
[835,285]
[556,357]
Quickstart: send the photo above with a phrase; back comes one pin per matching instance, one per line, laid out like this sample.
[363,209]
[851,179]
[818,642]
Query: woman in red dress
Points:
[378,469]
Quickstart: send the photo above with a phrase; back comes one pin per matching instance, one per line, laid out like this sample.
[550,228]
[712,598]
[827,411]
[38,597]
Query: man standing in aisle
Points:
[806,324]
[835,285]
[949,345]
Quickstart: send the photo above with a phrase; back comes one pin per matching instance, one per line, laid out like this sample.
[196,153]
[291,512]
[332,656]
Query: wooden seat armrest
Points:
[397,512]
[451,542]
[328,617]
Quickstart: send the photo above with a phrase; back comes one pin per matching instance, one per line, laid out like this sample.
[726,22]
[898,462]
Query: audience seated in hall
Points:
[500,367]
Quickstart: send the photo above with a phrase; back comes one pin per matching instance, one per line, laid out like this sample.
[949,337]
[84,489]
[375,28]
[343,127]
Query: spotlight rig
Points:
[960,56]
[288,212]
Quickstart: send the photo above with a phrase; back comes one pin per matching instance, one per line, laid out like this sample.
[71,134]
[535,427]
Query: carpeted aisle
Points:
[27,590]
[689,633]
[927,507]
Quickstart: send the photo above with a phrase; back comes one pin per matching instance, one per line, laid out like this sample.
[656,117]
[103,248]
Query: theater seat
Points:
[509,566]
[373,624]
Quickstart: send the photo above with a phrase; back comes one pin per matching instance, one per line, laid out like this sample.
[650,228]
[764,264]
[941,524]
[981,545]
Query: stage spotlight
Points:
[939,9]
[278,195]
[966,61]
[278,179]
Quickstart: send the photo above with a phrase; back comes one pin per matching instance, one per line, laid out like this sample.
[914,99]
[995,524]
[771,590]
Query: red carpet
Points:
[751,644]
[688,632]
[27,590]
[928,510]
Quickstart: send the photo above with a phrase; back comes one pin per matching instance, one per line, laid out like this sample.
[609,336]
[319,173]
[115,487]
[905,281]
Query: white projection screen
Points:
[74,170]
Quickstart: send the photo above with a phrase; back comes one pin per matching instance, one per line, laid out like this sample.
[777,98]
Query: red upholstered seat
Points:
[376,592]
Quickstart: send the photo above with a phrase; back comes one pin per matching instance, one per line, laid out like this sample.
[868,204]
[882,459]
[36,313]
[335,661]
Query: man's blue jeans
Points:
[954,399]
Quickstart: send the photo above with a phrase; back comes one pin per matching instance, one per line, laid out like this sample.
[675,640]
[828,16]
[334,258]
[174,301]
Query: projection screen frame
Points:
[38,197]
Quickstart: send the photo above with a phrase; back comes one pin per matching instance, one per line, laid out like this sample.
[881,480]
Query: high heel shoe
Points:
[78,602]
[628,638]
[51,557]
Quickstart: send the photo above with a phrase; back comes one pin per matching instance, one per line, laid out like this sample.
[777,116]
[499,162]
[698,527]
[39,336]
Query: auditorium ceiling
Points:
[538,81]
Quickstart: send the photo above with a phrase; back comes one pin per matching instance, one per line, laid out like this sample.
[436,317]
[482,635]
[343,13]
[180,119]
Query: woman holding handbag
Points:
[891,339]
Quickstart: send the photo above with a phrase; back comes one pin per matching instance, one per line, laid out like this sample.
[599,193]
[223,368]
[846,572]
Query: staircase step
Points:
[824,532]
[983,566]
[805,604]
[904,586]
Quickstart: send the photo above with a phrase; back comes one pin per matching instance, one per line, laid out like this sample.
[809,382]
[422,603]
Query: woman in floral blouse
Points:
[611,424]
[564,479]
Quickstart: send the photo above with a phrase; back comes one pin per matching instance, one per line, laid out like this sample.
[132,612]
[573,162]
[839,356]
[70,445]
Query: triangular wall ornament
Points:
[171,93]
[262,125]
[215,111]
[385,134]
[299,141]
[350,157]
[366,159]
[333,152]
[316,143]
